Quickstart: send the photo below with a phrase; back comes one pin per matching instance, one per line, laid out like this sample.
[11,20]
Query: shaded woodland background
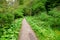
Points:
[42,15]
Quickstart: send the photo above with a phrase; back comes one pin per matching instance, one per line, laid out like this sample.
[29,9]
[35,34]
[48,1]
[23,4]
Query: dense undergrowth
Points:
[44,26]
[12,32]
[43,16]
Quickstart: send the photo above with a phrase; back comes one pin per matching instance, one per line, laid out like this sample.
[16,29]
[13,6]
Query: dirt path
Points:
[26,32]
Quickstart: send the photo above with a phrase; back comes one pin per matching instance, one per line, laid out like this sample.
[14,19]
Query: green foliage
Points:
[44,25]
[41,23]
[6,18]
[56,15]
[38,4]
[53,3]
[50,4]
[18,12]
[5,21]
[41,28]
[20,2]
[13,32]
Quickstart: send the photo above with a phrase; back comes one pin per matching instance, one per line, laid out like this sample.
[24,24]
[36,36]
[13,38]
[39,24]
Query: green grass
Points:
[12,32]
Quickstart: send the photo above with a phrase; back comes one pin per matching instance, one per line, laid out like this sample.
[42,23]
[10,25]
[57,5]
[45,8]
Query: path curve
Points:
[26,32]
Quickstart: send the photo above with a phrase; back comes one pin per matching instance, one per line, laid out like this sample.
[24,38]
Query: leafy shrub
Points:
[13,32]
[18,12]
[56,15]
[5,21]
